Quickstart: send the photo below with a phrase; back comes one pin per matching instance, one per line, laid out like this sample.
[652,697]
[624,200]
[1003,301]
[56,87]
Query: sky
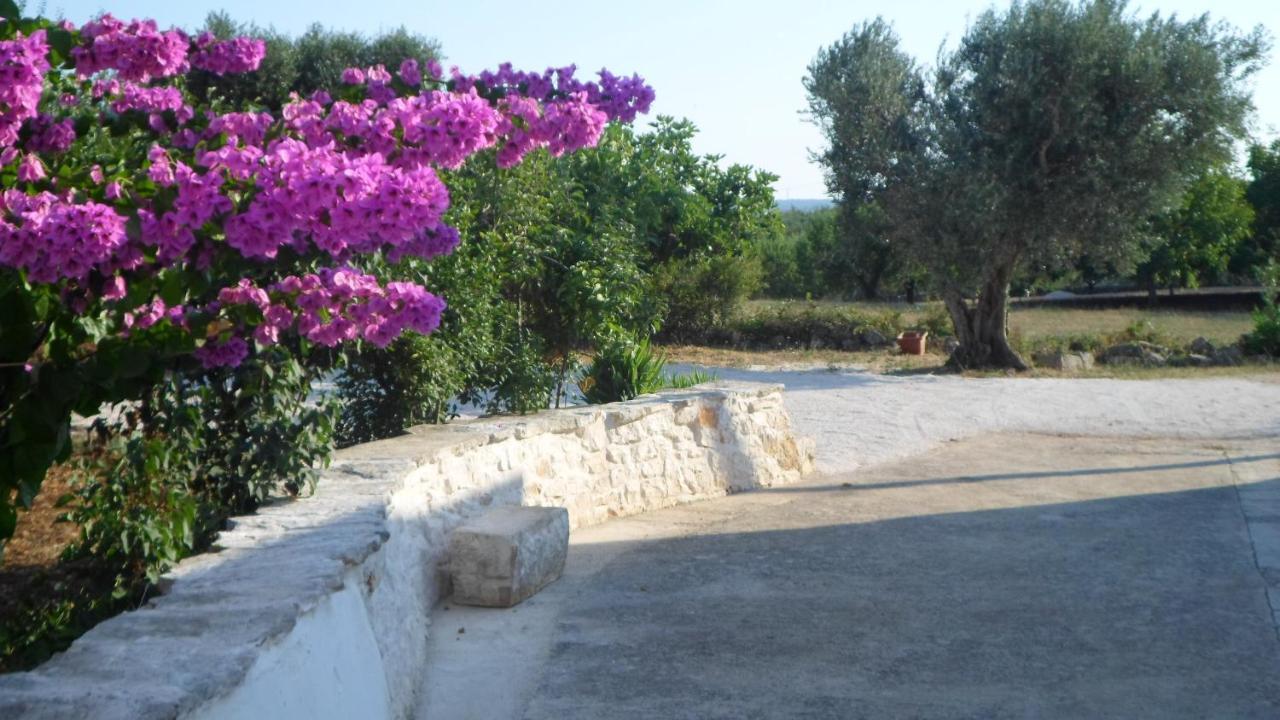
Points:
[733,67]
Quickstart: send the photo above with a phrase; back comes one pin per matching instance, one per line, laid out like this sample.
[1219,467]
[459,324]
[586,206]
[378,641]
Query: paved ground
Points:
[999,576]
[859,418]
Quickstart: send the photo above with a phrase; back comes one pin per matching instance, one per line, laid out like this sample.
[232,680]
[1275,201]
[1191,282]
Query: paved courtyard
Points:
[1005,575]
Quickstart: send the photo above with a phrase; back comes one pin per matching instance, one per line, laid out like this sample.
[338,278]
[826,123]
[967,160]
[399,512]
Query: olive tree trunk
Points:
[982,327]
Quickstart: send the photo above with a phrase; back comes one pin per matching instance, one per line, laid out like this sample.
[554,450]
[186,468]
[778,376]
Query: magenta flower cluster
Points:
[619,98]
[248,128]
[137,51]
[148,99]
[335,306]
[327,180]
[152,313]
[226,57]
[338,202]
[51,136]
[51,240]
[23,63]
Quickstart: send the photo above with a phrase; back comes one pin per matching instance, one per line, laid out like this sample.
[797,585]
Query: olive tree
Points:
[1053,130]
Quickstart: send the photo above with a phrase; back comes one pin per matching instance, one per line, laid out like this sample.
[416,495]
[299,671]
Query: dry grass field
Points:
[1030,328]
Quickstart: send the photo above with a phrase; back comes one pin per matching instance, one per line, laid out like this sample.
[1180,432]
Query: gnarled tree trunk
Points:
[982,328]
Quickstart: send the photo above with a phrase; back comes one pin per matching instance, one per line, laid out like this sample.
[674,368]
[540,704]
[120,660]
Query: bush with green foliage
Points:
[1262,247]
[1194,241]
[797,264]
[59,611]
[693,378]
[621,369]
[624,368]
[134,507]
[1264,339]
[384,391]
[703,293]
[158,482]
[802,324]
[170,469]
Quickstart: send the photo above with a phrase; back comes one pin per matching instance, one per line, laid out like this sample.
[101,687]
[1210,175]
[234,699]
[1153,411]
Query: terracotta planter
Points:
[912,342]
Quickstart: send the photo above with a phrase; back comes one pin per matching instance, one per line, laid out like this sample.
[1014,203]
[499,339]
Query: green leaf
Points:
[60,43]
[173,288]
[10,12]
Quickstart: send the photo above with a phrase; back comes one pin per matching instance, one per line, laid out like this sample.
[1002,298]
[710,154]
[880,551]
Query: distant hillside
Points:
[803,204]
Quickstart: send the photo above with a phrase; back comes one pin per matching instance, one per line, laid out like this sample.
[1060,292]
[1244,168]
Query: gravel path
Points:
[860,418]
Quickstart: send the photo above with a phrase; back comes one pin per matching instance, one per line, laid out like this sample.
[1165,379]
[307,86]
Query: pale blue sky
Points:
[733,67]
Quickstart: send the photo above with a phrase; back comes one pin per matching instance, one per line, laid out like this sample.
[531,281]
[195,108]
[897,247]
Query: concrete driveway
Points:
[1005,576]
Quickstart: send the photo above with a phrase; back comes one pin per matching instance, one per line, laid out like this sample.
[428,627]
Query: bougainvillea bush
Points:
[144,233]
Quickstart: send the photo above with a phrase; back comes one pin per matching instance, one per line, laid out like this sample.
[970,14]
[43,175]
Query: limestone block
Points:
[507,554]
[1066,361]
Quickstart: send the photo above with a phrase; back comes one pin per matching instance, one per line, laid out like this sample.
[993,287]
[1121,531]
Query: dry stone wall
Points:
[321,606]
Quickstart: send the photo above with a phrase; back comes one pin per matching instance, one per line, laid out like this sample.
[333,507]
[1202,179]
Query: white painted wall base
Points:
[328,666]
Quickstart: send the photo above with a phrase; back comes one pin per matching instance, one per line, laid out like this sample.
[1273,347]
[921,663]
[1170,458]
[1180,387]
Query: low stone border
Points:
[320,607]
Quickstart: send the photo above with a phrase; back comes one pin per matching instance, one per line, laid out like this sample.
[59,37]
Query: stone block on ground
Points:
[1197,360]
[1066,361]
[1135,353]
[1201,346]
[507,554]
[1229,355]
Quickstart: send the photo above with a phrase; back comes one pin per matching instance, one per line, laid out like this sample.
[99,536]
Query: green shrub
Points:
[782,275]
[524,378]
[937,321]
[384,391]
[693,378]
[168,472]
[703,293]
[1265,337]
[134,506]
[621,370]
[258,431]
[1057,343]
[806,324]
[156,484]
[1140,331]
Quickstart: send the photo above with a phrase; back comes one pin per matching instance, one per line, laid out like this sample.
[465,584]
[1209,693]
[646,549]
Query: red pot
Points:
[912,342]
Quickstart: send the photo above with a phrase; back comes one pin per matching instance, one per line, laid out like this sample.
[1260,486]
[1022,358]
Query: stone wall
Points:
[320,607]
